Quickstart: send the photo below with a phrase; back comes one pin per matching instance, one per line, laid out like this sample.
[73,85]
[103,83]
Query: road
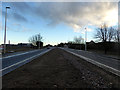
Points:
[59,69]
[106,61]
[10,63]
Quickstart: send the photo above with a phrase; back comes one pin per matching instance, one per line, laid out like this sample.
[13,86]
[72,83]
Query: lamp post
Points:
[85,39]
[5,30]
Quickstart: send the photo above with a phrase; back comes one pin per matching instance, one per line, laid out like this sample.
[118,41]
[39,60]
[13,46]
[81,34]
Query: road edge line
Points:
[33,57]
[107,68]
[19,54]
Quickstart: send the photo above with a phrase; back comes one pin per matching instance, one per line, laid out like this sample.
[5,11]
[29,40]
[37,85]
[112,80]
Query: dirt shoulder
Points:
[59,69]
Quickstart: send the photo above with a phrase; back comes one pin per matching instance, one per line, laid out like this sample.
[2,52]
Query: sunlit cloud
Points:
[76,27]
[111,17]
[89,29]
[76,15]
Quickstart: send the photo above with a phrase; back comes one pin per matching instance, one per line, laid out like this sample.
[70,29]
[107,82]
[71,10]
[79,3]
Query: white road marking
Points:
[108,68]
[94,53]
[25,60]
[19,54]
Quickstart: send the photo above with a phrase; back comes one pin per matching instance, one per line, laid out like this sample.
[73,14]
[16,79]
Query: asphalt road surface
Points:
[10,63]
[59,69]
[108,61]
[102,59]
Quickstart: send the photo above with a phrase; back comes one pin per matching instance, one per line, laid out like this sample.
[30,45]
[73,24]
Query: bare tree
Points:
[117,35]
[105,34]
[35,39]
[111,34]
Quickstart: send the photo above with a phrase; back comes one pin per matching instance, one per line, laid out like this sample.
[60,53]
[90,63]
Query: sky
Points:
[55,21]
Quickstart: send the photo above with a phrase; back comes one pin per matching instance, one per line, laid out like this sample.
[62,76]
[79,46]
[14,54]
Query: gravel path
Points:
[59,69]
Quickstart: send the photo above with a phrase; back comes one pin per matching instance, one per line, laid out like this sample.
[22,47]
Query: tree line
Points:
[104,34]
[107,34]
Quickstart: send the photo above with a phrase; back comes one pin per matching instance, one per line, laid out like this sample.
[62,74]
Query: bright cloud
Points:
[111,17]
[76,27]
[89,29]
[76,15]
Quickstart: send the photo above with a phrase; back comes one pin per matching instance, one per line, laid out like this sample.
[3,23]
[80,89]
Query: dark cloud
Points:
[21,7]
[15,12]
[15,16]
[74,14]
[19,17]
